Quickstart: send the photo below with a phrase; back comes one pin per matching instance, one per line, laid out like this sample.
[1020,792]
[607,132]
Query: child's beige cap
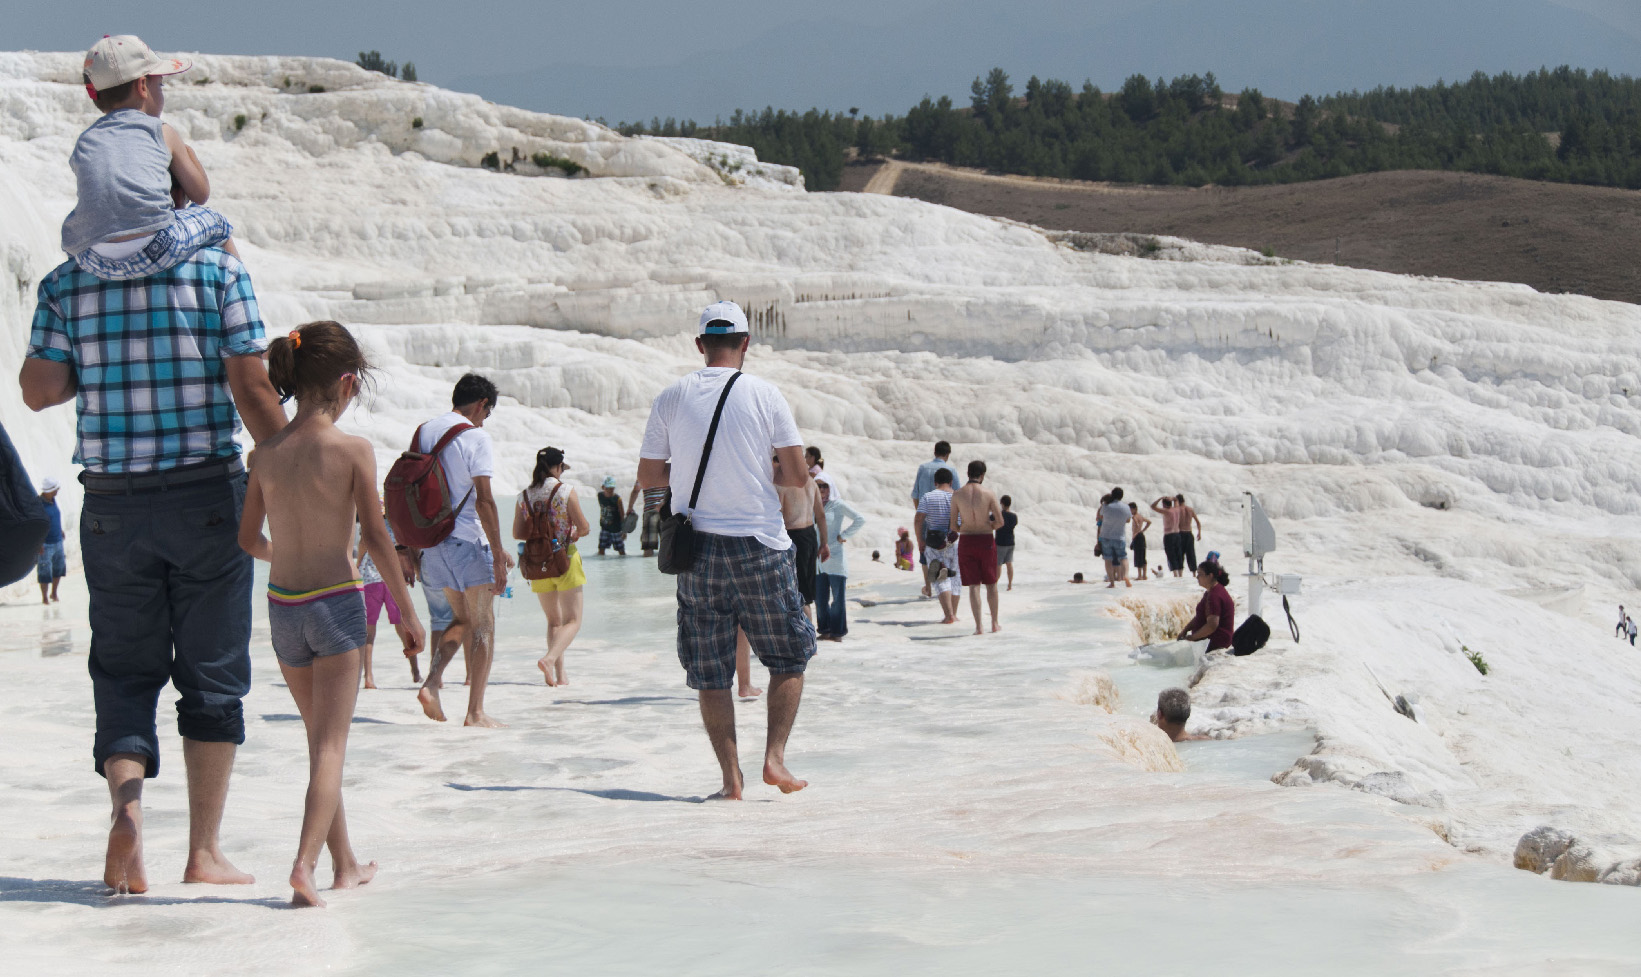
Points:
[113,61]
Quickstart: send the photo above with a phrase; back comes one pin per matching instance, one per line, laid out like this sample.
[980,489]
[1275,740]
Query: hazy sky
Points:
[637,58]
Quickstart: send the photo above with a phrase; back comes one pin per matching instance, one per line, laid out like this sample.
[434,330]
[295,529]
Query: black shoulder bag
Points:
[676,553]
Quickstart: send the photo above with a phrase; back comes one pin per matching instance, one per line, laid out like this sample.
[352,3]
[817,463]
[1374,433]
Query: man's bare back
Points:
[975,510]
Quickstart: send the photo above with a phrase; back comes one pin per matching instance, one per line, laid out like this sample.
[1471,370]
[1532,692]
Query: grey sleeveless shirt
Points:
[123,170]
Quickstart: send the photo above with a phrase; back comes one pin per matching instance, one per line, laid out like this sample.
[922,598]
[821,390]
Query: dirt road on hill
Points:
[1555,237]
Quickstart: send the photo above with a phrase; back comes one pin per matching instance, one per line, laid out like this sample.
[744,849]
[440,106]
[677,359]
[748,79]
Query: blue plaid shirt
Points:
[149,359]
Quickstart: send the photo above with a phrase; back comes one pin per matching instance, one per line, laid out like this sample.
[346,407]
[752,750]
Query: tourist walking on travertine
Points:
[936,545]
[610,517]
[1114,518]
[923,484]
[551,505]
[312,483]
[1187,521]
[977,516]
[176,352]
[470,564]
[1622,620]
[843,521]
[742,573]
[1629,626]
[1005,538]
[1136,544]
[379,598]
[51,566]
[805,516]
[1170,513]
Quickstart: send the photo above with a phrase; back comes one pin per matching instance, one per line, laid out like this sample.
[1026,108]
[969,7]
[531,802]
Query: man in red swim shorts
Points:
[976,514]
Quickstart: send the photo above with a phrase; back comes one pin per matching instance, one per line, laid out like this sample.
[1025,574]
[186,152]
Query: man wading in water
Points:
[743,573]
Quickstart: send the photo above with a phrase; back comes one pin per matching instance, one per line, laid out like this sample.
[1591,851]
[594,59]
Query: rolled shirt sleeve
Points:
[243,333]
[48,338]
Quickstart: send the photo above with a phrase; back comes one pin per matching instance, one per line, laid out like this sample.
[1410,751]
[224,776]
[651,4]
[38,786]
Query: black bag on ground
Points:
[22,516]
[676,552]
[1251,636]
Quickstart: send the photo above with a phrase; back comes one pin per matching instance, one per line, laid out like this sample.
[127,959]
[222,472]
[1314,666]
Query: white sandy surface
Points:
[1452,466]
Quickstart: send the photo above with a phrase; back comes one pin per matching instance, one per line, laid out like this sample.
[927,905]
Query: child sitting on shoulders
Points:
[903,550]
[311,482]
[134,175]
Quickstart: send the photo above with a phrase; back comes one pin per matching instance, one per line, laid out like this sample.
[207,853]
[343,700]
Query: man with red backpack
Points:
[469,565]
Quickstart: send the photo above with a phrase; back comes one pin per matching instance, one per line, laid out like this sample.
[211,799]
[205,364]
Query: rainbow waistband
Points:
[279,595]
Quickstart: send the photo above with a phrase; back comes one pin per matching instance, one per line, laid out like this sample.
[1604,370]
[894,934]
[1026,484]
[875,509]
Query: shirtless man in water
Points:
[976,515]
[310,481]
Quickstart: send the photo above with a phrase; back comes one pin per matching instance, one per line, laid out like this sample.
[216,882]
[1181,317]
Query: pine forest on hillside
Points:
[1562,125]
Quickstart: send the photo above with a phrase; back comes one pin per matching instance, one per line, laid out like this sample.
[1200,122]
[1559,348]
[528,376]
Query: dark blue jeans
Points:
[170,601]
[831,617]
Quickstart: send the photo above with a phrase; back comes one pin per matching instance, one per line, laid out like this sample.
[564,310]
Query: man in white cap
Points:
[52,565]
[744,573]
[132,171]
[610,516]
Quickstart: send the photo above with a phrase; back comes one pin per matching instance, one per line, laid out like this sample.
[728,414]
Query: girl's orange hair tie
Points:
[296,339]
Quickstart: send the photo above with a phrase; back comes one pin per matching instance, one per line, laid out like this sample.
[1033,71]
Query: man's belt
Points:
[134,483]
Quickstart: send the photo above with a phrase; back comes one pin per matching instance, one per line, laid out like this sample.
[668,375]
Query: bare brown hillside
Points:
[1552,236]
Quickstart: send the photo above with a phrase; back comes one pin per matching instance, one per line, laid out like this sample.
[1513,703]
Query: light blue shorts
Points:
[438,609]
[1115,550]
[459,565]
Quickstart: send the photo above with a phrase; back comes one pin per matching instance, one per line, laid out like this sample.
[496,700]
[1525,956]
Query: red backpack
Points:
[416,494]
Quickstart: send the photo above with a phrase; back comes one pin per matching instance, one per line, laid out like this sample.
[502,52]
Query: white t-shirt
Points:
[468,457]
[738,496]
[1115,516]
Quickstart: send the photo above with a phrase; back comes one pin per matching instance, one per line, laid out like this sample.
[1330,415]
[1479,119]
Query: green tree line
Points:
[1561,125]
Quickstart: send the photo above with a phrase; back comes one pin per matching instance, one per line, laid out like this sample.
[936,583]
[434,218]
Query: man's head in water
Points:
[1077,577]
[1173,710]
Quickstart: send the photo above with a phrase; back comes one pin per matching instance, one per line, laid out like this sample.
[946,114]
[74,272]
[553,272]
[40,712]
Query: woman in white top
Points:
[560,596]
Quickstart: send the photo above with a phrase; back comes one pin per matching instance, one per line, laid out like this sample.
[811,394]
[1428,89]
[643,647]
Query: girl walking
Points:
[311,482]
[560,596]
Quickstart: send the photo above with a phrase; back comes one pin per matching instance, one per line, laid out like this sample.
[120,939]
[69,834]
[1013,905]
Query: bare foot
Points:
[122,867]
[978,631]
[211,868]
[546,670]
[483,719]
[354,877]
[415,673]
[431,707]
[776,775]
[995,627]
[370,683]
[1111,586]
[303,891]
[750,693]
[726,794]
[1128,583]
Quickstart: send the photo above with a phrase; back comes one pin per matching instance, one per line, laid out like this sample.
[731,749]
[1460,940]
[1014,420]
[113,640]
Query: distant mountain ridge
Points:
[1286,48]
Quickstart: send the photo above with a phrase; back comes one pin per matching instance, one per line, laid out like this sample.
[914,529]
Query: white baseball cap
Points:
[113,61]
[723,319]
[48,485]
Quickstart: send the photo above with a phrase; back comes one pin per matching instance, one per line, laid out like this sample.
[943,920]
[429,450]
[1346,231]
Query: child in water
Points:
[311,482]
[903,550]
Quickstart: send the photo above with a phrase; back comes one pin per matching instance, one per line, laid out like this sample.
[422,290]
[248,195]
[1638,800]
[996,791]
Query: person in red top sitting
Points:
[1216,610]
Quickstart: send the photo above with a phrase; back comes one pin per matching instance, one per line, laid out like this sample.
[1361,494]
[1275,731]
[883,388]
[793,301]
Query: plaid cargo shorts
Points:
[738,581]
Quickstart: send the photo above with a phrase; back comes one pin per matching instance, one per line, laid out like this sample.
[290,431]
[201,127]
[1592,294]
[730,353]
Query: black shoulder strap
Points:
[712,434]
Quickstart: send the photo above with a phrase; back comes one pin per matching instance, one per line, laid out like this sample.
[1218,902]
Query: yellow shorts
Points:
[568,580]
